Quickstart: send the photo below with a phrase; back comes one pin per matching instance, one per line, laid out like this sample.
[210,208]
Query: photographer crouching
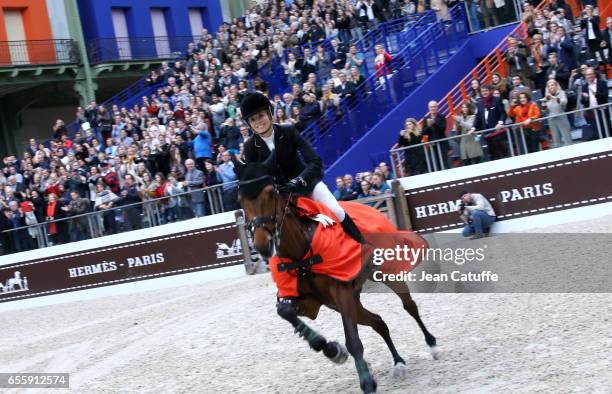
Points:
[477,214]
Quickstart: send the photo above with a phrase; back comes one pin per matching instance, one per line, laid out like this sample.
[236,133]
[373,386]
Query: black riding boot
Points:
[351,229]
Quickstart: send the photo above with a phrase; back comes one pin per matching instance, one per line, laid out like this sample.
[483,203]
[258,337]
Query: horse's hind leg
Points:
[332,350]
[367,318]
[401,289]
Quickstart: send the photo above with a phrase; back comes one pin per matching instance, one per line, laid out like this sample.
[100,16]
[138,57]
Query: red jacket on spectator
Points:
[153,109]
[161,192]
[383,67]
[112,181]
[53,189]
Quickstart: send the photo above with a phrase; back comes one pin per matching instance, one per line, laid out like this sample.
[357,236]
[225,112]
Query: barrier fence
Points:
[146,214]
[101,222]
[512,140]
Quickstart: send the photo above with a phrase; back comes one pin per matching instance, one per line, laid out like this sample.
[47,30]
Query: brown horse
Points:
[277,229]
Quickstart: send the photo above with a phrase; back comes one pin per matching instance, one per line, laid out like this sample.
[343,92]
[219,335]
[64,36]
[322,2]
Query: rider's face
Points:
[260,122]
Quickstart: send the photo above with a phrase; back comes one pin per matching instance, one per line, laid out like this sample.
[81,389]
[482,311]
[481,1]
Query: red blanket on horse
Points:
[342,255]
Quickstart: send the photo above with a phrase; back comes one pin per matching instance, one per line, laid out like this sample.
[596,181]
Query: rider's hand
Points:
[294,185]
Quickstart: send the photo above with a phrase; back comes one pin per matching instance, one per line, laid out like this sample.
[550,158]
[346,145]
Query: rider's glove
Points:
[294,185]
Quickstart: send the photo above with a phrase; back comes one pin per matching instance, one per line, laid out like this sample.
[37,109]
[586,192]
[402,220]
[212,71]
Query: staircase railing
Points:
[391,34]
[339,127]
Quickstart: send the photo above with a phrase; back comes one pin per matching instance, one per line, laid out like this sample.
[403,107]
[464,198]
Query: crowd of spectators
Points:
[364,184]
[182,138]
[560,67]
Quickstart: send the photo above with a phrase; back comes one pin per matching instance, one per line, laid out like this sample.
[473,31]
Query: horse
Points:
[276,228]
[15,281]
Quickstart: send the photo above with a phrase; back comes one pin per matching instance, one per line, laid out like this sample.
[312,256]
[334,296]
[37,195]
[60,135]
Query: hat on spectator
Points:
[254,103]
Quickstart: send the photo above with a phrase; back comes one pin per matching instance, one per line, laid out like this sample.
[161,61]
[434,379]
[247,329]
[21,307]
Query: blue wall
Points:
[374,146]
[96,18]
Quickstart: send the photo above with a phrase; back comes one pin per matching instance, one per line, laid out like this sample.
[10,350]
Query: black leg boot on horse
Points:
[351,229]
[332,350]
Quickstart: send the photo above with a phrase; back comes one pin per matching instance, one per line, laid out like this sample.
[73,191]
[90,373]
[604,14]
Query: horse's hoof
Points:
[435,352]
[369,386]
[400,370]
[341,353]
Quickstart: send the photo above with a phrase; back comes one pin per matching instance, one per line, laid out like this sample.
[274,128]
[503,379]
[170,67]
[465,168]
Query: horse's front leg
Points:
[348,309]
[332,350]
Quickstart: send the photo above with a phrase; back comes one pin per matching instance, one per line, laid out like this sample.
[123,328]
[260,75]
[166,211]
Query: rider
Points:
[303,177]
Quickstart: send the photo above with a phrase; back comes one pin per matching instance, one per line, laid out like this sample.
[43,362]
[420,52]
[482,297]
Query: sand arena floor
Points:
[225,337]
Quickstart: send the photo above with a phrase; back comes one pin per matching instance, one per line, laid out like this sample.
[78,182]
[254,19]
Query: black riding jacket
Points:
[287,164]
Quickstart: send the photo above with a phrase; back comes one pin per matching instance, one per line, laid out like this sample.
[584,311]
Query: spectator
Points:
[355,59]
[415,157]
[382,64]
[78,226]
[595,93]
[339,188]
[365,191]
[343,23]
[350,191]
[441,9]
[435,129]
[230,187]
[369,14]
[470,149]
[53,211]
[378,185]
[517,88]
[230,135]
[310,112]
[526,112]
[309,64]
[384,170]
[497,83]
[324,64]
[489,14]
[202,145]
[177,204]
[538,54]
[59,129]
[194,180]
[474,91]
[606,40]
[477,214]
[105,201]
[557,71]
[563,44]
[590,24]
[131,195]
[516,58]
[490,113]
[554,102]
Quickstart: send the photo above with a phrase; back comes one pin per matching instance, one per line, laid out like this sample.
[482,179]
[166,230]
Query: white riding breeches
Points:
[322,194]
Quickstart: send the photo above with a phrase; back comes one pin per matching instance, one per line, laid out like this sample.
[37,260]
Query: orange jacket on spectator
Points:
[523,112]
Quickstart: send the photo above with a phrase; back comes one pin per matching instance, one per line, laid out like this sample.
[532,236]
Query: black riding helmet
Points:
[254,103]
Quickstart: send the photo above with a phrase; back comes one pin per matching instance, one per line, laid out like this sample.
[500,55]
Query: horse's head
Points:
[260,200]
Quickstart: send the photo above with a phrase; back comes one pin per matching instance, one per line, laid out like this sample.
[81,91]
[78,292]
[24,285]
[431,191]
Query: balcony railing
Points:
[37,52]
[137,48]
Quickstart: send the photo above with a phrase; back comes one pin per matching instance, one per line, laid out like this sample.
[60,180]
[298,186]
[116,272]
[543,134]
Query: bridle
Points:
[261,221]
